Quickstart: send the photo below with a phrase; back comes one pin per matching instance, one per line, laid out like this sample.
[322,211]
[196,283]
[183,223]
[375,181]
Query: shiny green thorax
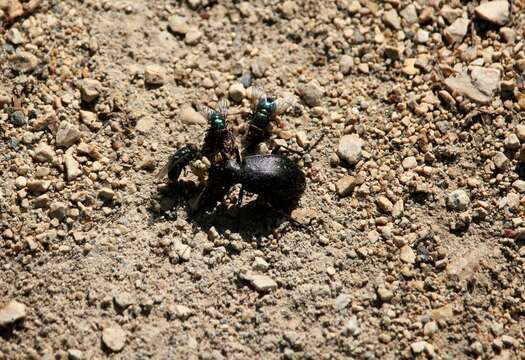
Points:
[264,112]
[218,122]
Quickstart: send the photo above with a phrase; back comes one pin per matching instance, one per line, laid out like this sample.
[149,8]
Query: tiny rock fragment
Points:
[302,139]
[384,204]
[11,313]
[398,209]
[450,14]
[15,37]
[189,116]
[114,338]
[508,34]
[236,92]
[420,346]
[145,124]
[409,13]
[391,18]
[311,94]
[430,328]
[342,301]
[496,12]
[72,167]
[350,149]
[90,89]
[500,160]
[393,52]
[259,264]
[38,187]
[154,75]
[407,255]
[193,37]
[444,312]
[24,61]
[182,312]
[261,283]
[409,162]
[178,24]
[75,354]
[463,85]
[44,153]
[487,80]
[106,194]
[519,186]
[520,132]
[512,142]
[67,134]
[458,200]
[457,30]
[346,63]
[409,67]
[89,150]
[384,294]
[58,210]
[124,299]
[345,185]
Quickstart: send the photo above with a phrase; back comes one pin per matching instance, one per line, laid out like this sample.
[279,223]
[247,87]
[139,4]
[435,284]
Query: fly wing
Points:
[205,111]
[258,94]
[166,168]
[223,107]
[283,104]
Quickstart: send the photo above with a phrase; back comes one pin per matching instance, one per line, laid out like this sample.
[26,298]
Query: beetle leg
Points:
[278,147]
[209,197]
[239,205]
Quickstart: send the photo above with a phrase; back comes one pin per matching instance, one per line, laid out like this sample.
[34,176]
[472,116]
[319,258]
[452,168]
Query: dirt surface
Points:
[415,195]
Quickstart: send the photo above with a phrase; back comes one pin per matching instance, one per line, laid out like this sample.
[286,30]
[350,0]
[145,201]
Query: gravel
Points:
[413,197]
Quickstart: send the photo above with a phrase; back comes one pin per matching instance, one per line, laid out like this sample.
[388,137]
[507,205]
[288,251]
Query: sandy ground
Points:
[417,216]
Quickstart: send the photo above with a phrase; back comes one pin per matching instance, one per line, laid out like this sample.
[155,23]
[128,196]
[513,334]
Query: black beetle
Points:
[276,178]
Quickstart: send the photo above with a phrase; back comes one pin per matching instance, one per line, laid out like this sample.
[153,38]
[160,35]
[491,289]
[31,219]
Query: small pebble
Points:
[191,117]
[193,37]
[90,89]
[458,200]
[496,12]
[236,92]
[311,94]
[11,313]
[154,75]
[44,153]
[24,61]
[114,338]
[178,24]
[67,134]
[350,149]
[17,118]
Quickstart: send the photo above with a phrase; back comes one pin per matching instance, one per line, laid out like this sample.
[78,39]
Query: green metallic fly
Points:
[265,110]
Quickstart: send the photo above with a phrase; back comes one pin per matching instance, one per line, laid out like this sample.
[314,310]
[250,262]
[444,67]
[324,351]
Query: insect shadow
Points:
[253,220]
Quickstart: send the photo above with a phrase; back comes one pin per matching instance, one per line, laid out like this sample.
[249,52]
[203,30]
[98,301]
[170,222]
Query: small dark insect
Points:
[264,111]
[219,143]
[178,161]
[277,179]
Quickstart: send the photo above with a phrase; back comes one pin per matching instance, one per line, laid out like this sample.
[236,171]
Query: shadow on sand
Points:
[253,220]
